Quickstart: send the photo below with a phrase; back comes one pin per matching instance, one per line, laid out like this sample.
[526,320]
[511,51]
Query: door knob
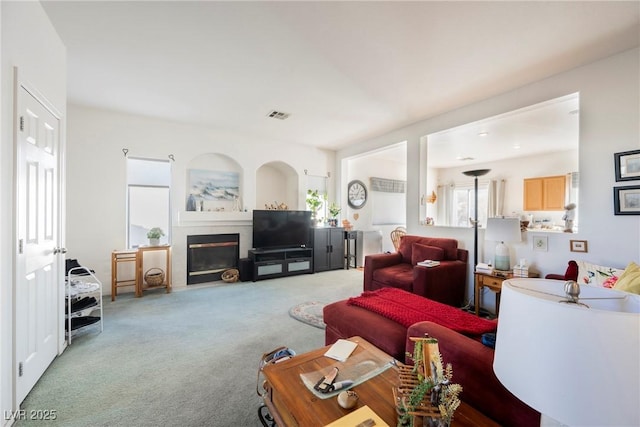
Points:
[59,251]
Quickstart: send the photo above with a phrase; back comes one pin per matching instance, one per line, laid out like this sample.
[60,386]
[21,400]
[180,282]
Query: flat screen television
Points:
[274,229]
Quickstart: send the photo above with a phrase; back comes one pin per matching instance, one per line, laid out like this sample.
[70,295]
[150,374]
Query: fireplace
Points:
[209,255]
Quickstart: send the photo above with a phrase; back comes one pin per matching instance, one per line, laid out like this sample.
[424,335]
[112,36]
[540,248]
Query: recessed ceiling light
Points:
[464,159]
[483,133]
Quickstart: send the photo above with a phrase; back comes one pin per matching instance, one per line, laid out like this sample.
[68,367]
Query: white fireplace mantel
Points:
[193,223]
[213,218]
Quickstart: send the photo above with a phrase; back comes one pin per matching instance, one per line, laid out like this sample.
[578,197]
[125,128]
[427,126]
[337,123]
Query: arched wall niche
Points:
[216,183]
[276,183]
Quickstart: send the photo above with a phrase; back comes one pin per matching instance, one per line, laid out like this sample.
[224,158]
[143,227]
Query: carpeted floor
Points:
[188,358]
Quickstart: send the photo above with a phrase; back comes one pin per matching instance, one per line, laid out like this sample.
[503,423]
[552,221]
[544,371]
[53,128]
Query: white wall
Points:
[514,171]
[609,123]
[362,168]
[30,43]
[96,175]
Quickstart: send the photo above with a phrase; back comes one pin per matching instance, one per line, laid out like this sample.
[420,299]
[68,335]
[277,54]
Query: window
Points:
[148,200]
[464,206]
[319,184]
[388,199]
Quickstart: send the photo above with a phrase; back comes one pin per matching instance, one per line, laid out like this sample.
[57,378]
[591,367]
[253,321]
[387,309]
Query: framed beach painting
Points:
[626,200]
[208,188]
[627,165]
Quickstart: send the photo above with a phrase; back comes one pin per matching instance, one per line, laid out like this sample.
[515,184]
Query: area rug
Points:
[309,313]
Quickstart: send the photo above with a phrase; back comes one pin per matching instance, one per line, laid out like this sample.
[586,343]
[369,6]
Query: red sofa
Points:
[445,283]
[471,360]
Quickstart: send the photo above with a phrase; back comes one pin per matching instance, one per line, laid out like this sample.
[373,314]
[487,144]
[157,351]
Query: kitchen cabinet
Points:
[545,193]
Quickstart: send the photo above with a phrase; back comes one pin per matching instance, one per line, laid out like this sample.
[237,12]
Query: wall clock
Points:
[356,194]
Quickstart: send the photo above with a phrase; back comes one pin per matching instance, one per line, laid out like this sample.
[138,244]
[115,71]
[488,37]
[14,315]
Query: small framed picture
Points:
[626,200]
[627,165]
[578,245]
[540,243]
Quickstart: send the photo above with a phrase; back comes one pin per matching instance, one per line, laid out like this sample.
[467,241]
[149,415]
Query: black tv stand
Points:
[270,263]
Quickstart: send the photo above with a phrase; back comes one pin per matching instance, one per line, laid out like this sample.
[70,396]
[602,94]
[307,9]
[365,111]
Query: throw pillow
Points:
[597,275]
[629,280]
[421,252]
[405,248]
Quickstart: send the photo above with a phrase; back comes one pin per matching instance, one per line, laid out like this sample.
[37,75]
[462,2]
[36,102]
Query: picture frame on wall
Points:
[626,200]
[627,165]
[212,190]
[578,246]
[540,243]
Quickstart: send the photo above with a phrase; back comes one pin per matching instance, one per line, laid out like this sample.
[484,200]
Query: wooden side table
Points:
[141,268]
[121,257]
[494,283]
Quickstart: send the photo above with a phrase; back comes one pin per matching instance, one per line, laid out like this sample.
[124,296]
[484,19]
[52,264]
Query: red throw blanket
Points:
[407,308]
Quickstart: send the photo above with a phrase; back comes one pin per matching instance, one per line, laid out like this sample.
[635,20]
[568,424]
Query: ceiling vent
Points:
[278,115]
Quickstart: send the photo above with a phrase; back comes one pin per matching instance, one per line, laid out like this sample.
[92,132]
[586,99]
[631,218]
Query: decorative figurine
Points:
[569,216]
[191,203]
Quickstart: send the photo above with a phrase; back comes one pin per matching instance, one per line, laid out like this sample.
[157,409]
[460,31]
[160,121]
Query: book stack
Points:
[484,268]
[429,263]
[521,271]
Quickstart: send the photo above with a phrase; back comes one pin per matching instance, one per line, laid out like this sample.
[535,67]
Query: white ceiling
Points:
[345,71]
[546,127]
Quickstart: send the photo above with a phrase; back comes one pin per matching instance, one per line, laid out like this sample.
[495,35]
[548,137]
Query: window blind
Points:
[386,185]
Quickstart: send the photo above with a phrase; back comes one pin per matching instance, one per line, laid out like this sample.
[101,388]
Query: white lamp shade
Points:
[579,366]
[503,230]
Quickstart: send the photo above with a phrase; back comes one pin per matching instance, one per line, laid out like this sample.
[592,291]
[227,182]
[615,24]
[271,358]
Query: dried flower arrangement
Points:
[426,392]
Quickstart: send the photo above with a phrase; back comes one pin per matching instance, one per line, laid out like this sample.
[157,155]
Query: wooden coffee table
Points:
[292,404]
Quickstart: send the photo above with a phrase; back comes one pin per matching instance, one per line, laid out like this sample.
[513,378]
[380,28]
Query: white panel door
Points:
[39,281]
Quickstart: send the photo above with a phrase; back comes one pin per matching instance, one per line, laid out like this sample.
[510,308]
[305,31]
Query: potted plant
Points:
[334,211]
[315,201]
[154,236]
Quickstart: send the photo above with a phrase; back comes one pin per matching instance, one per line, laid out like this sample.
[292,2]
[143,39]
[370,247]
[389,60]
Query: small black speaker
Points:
[245,266]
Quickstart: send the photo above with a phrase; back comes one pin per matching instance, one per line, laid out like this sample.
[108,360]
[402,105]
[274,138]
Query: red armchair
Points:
[445,283]
[570,274]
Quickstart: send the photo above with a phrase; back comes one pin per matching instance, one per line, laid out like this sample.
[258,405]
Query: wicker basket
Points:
[231,275]
[154,277]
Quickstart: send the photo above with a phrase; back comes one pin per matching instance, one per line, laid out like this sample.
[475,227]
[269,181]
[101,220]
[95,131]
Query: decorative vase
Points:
[154,241]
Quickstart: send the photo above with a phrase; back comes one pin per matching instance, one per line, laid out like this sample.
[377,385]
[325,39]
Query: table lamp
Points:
[574,359]
[503,230]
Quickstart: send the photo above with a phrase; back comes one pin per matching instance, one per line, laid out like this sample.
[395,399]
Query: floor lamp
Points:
[475,174]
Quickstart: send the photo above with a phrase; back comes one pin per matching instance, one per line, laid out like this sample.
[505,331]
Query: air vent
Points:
[278,115]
